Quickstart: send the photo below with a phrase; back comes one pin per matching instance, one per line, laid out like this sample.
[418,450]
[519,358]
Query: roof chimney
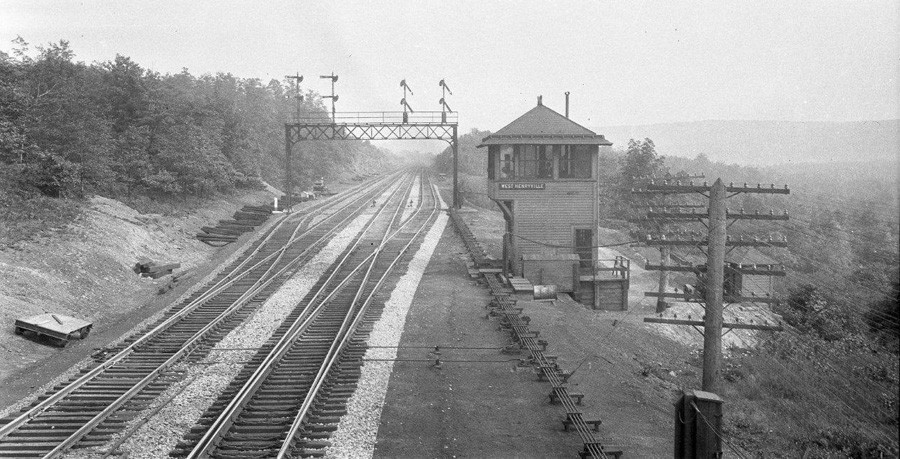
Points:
[540,102]
[567,104]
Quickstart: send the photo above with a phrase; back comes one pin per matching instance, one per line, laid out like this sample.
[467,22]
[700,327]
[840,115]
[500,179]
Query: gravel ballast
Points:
[356,433]
[205,381]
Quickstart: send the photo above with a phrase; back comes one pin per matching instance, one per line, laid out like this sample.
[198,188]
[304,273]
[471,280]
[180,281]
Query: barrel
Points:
[545,292]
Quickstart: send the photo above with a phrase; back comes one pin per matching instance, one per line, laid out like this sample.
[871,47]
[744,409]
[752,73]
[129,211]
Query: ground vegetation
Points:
[70,129]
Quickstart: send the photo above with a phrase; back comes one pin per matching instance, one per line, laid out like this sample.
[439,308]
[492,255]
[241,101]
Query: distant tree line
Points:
[68,129]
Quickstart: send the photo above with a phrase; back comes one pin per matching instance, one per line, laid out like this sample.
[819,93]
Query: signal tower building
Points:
[543,171]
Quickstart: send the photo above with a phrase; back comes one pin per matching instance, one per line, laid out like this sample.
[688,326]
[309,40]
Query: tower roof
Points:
[541,125]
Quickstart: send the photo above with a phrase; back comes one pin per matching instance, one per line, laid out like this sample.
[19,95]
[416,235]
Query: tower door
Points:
[584,246]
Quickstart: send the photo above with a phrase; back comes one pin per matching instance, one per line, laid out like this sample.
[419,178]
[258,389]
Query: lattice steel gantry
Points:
[375,126]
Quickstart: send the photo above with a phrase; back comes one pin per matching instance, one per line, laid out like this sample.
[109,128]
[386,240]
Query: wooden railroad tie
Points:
[568,422]
[615,453]
[554,397]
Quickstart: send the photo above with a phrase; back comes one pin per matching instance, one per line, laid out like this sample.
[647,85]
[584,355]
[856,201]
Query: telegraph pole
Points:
[715,278]
[288,185]
[664,253]
[711,292]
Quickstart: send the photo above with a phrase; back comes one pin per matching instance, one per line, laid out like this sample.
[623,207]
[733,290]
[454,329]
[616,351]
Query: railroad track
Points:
[291,396]
[94,405]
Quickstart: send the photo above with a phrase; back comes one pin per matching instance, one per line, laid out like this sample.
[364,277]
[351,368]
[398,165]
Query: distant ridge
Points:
[767,142]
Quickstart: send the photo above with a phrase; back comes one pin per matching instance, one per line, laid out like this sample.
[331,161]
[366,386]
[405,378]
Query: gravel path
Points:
[357,430]
[206,380]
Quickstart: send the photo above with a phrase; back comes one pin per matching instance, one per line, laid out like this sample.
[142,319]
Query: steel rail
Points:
[224,421]
[193,305]
[338,348]
[130,349]
[189,345]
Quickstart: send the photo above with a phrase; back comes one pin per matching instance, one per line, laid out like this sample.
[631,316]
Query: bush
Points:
[26,215]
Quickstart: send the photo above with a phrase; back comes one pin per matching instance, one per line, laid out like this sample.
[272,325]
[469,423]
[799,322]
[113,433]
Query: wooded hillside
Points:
[68,129]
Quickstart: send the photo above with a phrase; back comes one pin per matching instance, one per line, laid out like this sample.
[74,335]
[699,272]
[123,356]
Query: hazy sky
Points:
[626,62]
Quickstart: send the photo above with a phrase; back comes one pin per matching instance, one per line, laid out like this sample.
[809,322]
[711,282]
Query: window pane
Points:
[493,157]
[581,167]
[507,163]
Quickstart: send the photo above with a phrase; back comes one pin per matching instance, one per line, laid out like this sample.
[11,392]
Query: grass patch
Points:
[795,397]
[26,216]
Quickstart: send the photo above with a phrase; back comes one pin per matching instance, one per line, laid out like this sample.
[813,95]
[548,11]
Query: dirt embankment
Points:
[85,271]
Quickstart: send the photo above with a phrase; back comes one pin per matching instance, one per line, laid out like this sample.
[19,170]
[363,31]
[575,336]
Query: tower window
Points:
[575,162]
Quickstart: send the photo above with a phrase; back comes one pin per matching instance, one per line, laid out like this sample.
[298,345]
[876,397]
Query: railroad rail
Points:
[94,405]
[289,399]
[510,318]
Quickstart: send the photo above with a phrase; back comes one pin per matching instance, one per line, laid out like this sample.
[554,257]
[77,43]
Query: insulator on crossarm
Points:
[742,211]
[772,186]
[745,184]
[785,212]
[691,183]
[705,183]
[758,185]
[771,212]
[731,184]
[784,239]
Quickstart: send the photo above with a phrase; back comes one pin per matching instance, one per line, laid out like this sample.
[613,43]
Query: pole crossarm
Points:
[665,215]
[691,188]
[744,269]
[299,132]
[696,323]
[703,242]
[693,298]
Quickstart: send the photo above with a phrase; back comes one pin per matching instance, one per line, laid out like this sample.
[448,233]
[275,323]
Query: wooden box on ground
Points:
[57,327]
[550,269]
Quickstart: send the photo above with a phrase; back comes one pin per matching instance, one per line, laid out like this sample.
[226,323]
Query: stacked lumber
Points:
[152,270]
[228,231]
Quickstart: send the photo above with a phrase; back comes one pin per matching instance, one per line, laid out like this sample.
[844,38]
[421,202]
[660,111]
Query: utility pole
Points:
[715,277]
[288,185]
[665,251]
[711,292]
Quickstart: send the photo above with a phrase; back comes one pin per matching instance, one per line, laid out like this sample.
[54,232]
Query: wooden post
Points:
[287,168]
[456,203]
[715,276]
[661,304]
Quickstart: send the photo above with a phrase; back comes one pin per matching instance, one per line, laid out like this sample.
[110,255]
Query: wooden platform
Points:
[59,328]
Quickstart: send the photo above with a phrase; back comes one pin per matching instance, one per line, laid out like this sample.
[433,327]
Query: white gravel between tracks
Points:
[206,380]
[413,200]
[358,429]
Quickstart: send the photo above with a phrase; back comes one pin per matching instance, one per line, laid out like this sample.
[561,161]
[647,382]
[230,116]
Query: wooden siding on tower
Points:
[550,215]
